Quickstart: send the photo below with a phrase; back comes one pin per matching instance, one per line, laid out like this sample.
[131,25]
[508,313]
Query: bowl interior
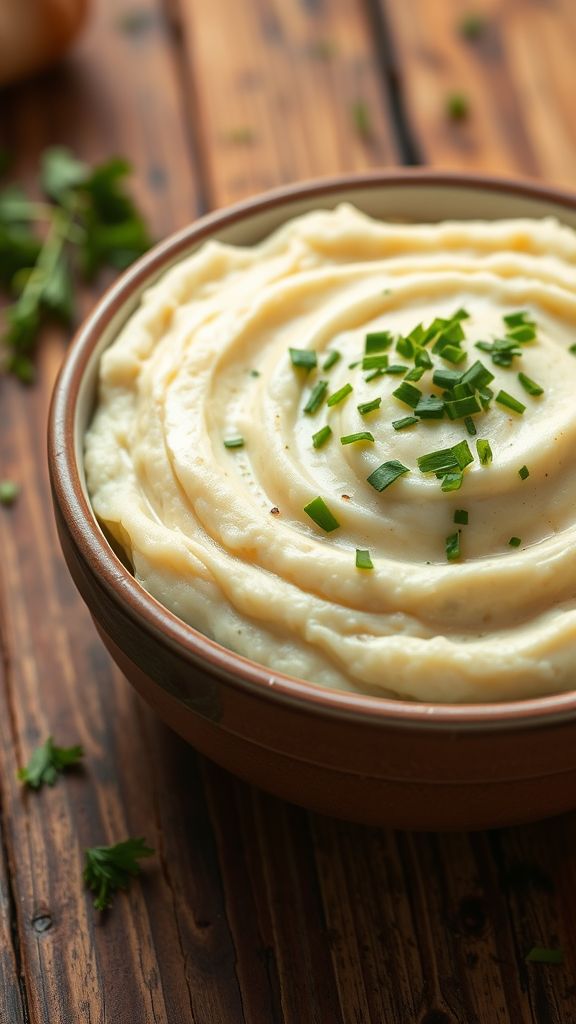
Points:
[403,197]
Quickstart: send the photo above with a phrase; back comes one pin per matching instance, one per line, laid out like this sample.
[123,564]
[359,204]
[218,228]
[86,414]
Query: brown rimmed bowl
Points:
[379,761]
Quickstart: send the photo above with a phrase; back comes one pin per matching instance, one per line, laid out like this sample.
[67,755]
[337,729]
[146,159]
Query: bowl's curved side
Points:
[379,761]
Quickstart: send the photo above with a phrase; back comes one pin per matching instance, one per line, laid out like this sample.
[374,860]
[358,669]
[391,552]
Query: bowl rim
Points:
[120,585]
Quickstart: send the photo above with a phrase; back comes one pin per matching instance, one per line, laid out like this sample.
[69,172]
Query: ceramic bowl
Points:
[373,760]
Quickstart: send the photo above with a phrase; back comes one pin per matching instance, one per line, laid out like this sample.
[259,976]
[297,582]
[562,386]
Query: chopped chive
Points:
[572,349]
[484,451]
[417,334]
[352,366]
[396,368]
[444,458]
[373,374]
[423,359]
[452,481]
[339,395]
[477,376]
[365,407]
[415,373]
[452,354]
[234,442]
[461,314]
[386,474]
[377,341]
[461,407]
[304,358]
[524,473]
[254,373]
[444,378]
[530,385]
[514,542]
[9,491]
[502,351]
[470,425]
[363,560]
[430,408]
[542,955]
[517,319]
[457,106]
[503,398]
[461,516]
[462,454]
[331,359]
[463,391]
[319,512]
[523,333]
[362,435]
[406,421]
[406,347]
[316,397]
[376,362]
[408,394]
[453,546]
[321,436]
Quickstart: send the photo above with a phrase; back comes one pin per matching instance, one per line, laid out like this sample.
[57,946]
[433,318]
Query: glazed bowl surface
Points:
[374,760]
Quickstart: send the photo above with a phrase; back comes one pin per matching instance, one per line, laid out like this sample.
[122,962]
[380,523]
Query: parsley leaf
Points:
[47,762]
[109,868]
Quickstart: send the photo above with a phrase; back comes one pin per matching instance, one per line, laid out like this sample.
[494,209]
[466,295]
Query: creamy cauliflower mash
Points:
[349,453]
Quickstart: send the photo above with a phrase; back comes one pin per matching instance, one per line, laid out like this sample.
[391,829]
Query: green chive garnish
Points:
[406,421]
[453,547]
[461,516]
[331,359]
[542,955]
[377,341]
[503,398]
[484,451]
[234,442]
[408,394]
[452,354]
[304,358]
[470,425]
[386,474]
[373,374]
[524,473]
[445,378]
[477,376]
[518,319]
[530,385]
[320,513]
[9,491]
[363,560]
[316,397]
[340,395]
[452,481]
[376,362]
[363,435]
[321,436]
[462,407]
[572,349]
[462,454]
[515,542]
[430,408]
[415,373]
[423,359]
[443,459]
[365,407]
[396,369]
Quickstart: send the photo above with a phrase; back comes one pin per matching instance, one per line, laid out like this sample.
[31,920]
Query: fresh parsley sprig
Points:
[109,868]
[89,222]
[47,762]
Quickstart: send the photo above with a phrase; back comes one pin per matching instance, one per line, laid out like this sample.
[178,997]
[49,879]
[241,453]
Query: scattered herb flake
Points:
[47,762]
[530,385]
[331,359]
[363,435]
[320,514]
[363,560]
[377,341]
[316,397]
[365,407]
[515,542]
[386,474]
[457,106]
[408,394]
[452,481]
[321,436]
[503,398]
[9,491]
[234,442]
[453,546]
[484,451]
[340,395]
[461,516]
[524,473]
[378,361]
[406,421]
[304,358]
[109,868]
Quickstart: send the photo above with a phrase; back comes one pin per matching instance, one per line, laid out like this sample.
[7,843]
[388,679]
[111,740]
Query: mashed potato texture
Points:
[201,459]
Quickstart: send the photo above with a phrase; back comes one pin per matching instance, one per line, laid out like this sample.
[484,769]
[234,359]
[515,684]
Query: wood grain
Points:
[253,911]
[515,75]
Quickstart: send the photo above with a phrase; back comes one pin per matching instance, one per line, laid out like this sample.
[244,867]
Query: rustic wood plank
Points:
[12,1005]
[514,75]
[283,91]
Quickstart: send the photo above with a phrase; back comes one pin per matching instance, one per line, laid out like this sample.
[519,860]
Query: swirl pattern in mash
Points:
[220,536]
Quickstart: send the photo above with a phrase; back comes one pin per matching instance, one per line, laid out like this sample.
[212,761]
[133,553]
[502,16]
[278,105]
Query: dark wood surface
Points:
[253,910]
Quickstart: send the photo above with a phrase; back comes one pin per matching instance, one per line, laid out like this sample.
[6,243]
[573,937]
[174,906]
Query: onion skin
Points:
[35,33]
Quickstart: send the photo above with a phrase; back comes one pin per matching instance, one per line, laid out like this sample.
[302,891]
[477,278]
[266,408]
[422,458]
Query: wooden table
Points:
[253,910]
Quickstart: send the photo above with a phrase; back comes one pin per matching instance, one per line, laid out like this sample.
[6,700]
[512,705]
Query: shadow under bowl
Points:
[372,760]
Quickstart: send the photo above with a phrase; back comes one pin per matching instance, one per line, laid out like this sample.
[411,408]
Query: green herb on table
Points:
[47,762]
[471,26]
[543,955]
[363,560]
[88,223]
[320,514]
[362,120]
[457,106]
[9,491]
[109,868]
